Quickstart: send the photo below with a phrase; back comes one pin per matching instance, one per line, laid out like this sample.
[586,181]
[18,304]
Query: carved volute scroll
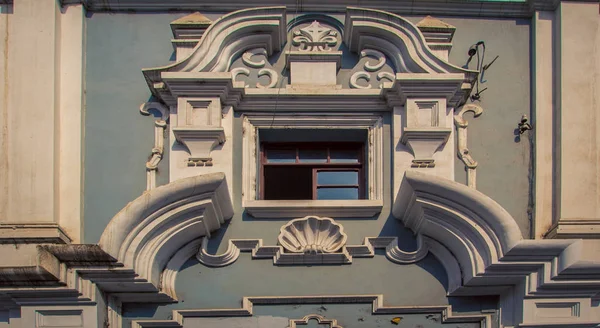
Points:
[463,151]
[373,73]
[160,125]
[255,64]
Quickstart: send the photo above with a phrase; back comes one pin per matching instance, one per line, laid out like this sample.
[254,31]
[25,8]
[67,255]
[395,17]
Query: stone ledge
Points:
[275,209]
[574,228]
[32,233]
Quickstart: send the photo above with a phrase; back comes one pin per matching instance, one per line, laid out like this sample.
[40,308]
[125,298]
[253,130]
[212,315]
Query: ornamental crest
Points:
[315,37]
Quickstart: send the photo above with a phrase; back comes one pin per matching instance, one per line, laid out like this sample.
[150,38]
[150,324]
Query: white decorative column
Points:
[544,51]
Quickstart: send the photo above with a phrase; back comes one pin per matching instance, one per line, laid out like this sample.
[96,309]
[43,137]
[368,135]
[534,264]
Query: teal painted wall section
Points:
[118,139]
[504,159]
[118,142]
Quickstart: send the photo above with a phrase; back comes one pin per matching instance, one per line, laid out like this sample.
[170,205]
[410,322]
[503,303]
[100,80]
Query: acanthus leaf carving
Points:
[315,37]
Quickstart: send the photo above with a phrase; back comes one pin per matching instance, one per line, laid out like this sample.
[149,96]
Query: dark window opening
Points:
[303,171]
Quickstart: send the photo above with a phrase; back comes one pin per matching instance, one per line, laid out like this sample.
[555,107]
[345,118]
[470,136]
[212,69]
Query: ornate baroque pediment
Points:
[385,57]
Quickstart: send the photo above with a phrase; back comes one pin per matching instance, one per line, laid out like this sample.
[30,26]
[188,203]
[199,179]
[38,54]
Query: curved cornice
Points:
[480,244]
[228,37]
[471,225]
[398,38]
[147,232]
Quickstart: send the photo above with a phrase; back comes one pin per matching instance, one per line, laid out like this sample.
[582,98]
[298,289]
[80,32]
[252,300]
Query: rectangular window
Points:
[297,171]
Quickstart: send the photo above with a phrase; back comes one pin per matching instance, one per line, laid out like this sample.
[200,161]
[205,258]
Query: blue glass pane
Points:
[281,156]
[344,155]
[337,193]
[312,155]
[337,177]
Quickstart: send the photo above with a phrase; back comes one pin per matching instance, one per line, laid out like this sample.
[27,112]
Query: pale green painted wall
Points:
[118,141]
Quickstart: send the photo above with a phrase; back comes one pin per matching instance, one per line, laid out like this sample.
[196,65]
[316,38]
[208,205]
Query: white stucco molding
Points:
[226,38]
[420,73]
[369,122]
[487,249]
[145,234]
[378,308]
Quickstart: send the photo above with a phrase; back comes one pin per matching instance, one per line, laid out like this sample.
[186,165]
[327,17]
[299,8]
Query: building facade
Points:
[301,163]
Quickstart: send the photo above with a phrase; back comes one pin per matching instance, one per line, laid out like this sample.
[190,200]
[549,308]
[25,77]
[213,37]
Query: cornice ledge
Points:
[32,233]
[431,7]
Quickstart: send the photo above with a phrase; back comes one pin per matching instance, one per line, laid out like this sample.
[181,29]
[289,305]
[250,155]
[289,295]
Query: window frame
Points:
[317,166]
[254,122]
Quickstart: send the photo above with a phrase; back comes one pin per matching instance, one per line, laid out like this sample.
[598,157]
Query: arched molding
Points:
[227,38]
[480,244]
[149,231]
[398,38]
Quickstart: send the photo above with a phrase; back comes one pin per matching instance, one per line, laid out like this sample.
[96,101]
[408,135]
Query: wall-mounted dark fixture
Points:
[481,68]
[524,125]
[473,50]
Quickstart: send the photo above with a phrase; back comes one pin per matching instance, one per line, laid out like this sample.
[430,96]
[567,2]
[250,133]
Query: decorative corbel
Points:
[463,151]
[425,131]
[199,128]
[160,125]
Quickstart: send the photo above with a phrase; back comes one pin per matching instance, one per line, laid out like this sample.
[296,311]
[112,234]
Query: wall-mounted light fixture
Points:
[524,125]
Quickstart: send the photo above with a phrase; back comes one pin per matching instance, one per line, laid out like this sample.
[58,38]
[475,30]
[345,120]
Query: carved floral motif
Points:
[315,37]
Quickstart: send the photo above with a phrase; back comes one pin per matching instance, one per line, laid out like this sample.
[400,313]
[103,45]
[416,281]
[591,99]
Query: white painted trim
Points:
[71,112]
[373,123]
[248,304]
[274,209]
[344,256]
[149,230]
[461,144]
[544,49]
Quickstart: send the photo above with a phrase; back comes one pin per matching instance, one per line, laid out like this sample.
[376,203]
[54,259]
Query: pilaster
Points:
[544,47]
[42,92]
[577,165]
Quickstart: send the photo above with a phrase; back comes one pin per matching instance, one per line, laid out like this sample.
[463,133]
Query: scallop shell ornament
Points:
[312,235]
